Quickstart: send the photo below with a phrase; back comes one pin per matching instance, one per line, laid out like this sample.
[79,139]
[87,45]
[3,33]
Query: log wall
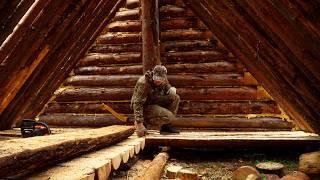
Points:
[209,79]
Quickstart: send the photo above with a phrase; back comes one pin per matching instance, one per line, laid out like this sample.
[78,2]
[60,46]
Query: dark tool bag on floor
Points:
[30,128]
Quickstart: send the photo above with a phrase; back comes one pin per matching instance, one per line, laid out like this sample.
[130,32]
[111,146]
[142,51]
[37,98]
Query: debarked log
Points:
[185,107]
[105,94]
[179,80]
[198,56]
[186,34]
[129,14]
[33,153]
[100,120]
[110,48]
[214,67]
[169,11]
[191,46]
[119,38]
[108,59]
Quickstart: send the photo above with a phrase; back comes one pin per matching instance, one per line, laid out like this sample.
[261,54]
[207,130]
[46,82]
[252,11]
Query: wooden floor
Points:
[211,139]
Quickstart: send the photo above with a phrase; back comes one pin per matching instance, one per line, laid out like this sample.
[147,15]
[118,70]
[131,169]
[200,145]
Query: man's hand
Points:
[140,129]
[172,91]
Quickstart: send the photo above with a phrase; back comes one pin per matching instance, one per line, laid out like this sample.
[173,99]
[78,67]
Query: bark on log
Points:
[197,56]
[150,34]
[129,14]
[119,38]
[109,48]
[92,94]
[206,68]
[100,120]
[186,34]
[97,59]
[48,150]
[309,163]
[179,80]
[154,171]
[185,107]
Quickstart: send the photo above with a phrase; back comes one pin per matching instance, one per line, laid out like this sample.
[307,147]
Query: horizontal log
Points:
[105,94]
[182,80]
[233,122]
[128,14]
[214,67]
[100,120]
[234,139]
[191,46]
[109,48]
[171,2]
[186,34]
[80,120]
[119,38]
[97,59]
[197,56]
[177,23]
[34,153]
[185,107]
[171,11]
[131,4]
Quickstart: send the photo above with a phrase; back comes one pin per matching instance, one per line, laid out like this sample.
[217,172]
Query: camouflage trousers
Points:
[161,110]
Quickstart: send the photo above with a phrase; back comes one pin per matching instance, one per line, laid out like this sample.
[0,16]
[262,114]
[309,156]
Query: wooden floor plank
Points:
[25,154]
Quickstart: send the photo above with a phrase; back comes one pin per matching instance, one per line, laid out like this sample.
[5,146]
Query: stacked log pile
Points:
[209,79]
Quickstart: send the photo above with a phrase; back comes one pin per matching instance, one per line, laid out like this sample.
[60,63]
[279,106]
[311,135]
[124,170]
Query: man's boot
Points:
[167,129]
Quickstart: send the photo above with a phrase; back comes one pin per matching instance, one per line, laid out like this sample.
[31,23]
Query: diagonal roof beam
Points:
[289,84]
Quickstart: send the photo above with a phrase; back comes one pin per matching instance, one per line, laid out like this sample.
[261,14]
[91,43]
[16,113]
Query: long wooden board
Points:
[24,155]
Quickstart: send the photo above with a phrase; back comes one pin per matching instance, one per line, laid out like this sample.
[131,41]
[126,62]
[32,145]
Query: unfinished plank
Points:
[36,152]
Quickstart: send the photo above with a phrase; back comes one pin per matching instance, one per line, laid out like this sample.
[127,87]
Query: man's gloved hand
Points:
[140,129]
[172,91]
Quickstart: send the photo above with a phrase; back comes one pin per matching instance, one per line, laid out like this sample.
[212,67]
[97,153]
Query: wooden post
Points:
[150,34]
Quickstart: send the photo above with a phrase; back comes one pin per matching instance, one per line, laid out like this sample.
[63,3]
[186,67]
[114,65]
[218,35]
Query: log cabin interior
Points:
[247,72]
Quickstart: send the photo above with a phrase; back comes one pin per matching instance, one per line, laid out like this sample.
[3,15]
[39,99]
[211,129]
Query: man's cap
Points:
[159,73]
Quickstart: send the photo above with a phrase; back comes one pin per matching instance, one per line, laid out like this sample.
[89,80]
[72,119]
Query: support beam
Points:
[150,34]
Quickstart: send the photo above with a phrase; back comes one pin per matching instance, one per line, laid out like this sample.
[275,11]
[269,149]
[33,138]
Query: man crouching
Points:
[154,102]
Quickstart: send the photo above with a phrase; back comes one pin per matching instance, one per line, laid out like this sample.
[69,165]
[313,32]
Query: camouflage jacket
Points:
[144,93]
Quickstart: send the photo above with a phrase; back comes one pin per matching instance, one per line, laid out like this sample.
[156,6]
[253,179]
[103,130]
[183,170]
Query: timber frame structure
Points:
[278,41]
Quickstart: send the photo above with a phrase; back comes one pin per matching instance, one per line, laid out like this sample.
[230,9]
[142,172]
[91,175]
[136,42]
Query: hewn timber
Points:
[37,152]
[150,34]
[109,48]
[235,139]
[101,93]
[100,120]
[214,67]
[285,81]
[155,168]
[179,80]
[61,59]
[107,59]
[185,107]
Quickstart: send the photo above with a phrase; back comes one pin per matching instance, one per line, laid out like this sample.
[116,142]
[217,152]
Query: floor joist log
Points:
[209,68]
[37,152]
[106,94]
[234,139]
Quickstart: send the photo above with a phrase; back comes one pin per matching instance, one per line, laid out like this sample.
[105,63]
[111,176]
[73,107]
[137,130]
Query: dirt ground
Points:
[211,164]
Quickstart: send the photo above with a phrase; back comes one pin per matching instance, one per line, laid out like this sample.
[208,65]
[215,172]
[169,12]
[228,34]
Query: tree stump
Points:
[172,171]
[309,163]
[296,175]
[271,168]
[243,172]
